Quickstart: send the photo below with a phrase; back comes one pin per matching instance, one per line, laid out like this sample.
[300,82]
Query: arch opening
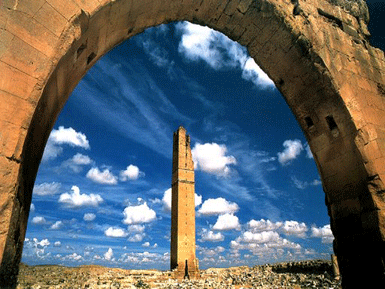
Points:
[325,74]
[114,89]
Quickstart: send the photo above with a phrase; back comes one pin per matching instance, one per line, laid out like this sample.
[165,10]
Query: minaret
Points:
[183,208]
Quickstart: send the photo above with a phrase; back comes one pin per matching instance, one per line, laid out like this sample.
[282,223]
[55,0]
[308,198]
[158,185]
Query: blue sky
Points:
[102,194]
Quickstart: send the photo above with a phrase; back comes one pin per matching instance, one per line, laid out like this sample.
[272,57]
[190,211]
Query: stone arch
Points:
[316,52]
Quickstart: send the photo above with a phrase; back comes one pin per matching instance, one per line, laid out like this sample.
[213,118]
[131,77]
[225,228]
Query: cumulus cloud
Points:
[77,162]
[46,189]
[292,150]
[263,225]
[262,237]
[325,233]
[88,217]
[62,136]
[38,220]
[166,200]
[294,228]
[109,254]
[130,173]
[115,232]
[138,214]
[212,158]
[219,52]
[76,200]
[217,207]
[210,236]
[69,136]
[102,177]
[57,225]
[57,244]
[32,207]
[227,222]
[136,237]
[136,228]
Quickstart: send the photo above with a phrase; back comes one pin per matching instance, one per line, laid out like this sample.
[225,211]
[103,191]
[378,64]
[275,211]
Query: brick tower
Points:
[183,208]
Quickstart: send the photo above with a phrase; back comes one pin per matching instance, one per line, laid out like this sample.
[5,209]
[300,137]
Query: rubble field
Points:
[304,274]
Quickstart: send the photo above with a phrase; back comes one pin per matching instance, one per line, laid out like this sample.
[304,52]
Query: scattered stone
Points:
[305,274]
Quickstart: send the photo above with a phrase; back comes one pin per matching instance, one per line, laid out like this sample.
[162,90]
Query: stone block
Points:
[373,222]
[231,7]
[89,7]
[371,151]
[26,58]
[244,6]
[345,208]
[12,140]
[51,18]
[6,39]
[28,7]
[67,9]
[33,33]
[15,110]
[16,82]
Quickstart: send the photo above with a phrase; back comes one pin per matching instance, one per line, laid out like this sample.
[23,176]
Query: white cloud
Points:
[73,257]
[324,232]
[138,214]
[46,189]
[57,244]
[263,225]
[131,173]
[294,228]
[211,158]
[38,220]
[57,225]
[167,199]
[115,232]
[42,243]
[62,136]
[32,207]
[292,150]
[197,200]
[301,185]
[109,254]
[51,151]
[261,237]
[77,162]
[217,207]
[146,244]
[102,177]
[210,236]
[136,228]
[69,136]
[75,199]
[136,238]
[309,154]
[227,222]
[89,217]
[218,51]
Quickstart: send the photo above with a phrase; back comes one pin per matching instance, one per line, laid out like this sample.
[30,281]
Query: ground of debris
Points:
[305,274]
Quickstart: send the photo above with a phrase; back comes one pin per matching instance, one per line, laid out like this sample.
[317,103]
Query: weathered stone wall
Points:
[316,51]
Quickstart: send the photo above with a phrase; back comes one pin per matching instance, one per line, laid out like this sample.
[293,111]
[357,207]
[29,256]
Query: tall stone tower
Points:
[183,208]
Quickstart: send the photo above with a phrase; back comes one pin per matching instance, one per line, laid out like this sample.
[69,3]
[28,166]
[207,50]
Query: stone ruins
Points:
[183,258]
[317,52]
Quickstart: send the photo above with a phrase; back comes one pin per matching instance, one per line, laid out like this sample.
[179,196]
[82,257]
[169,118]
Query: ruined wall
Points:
[316,51]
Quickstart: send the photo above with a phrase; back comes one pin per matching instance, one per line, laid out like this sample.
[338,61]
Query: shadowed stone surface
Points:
[316,51]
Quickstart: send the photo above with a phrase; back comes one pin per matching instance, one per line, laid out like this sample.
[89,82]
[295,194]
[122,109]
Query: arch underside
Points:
[317,54]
